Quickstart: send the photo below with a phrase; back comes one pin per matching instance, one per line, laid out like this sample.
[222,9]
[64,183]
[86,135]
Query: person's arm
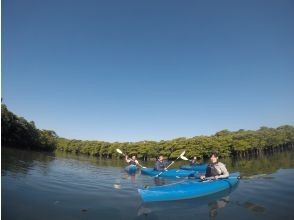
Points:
[225,172]
[127,159]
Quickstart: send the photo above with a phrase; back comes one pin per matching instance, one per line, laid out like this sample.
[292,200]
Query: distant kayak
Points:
[188,189]
[131,168]
[173,173]
[201,167]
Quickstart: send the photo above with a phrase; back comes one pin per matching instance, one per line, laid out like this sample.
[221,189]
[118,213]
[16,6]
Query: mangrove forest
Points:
[18,132]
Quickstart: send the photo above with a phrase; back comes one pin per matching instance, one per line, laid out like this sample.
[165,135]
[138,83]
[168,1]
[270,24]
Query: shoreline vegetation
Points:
[18,132]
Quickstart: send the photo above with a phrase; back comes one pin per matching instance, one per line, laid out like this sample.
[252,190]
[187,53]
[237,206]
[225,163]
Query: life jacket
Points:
[211,170]
[208,171]
[132,162]
[159,165]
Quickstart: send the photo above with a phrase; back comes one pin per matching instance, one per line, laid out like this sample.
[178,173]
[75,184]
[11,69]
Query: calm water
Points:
[65,186]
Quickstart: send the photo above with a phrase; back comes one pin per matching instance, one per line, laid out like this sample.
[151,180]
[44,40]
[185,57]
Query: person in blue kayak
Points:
[215,169]
[160,164]
[195,161]
[132,160]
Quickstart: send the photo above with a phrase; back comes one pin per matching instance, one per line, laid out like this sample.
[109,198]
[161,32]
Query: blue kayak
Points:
[131,168]
[173,173]
[188,189]
[200,168]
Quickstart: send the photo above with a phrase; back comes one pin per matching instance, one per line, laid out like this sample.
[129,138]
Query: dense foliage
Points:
[239,143]
[17,131]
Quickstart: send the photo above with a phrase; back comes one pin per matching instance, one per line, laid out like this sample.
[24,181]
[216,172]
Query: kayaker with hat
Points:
[215,169]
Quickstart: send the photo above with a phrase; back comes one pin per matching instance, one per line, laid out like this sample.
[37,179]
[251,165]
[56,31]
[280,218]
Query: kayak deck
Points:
[173,173]
[187,189]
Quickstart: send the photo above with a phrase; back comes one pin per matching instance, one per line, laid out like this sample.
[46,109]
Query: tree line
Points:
[17,132]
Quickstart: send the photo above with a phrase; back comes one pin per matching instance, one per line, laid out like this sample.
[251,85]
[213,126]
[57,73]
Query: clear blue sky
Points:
[148,69]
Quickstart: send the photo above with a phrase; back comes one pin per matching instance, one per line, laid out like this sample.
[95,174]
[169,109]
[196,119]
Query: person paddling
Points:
[160,164]
[215,169]
[195,161]
[132,160]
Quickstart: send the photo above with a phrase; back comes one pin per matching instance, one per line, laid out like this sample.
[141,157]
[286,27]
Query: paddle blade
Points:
[182,154]
[119,151]
[184,158]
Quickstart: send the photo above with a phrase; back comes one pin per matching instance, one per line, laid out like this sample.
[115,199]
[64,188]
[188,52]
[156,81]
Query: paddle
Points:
[181,156]
[120,152]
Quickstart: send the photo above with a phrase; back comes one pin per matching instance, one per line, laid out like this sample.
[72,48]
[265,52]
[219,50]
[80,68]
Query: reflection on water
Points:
[252,207]
[213,204]
[158,181]
[20,162]
[222,202]
[65,186]
[218,204]
[264,164]
[131,176]
[210,204]
[15,159]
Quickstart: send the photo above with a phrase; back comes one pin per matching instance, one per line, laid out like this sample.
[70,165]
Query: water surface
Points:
[38,185]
